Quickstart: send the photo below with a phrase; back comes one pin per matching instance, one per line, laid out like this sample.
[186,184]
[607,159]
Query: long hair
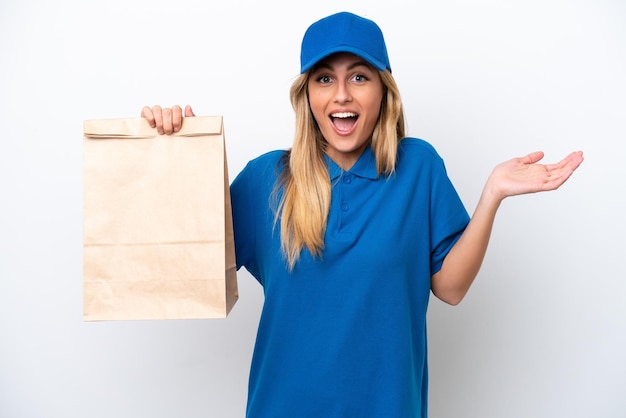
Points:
[304,184]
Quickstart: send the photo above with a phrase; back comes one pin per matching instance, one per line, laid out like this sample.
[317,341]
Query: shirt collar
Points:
[364,167]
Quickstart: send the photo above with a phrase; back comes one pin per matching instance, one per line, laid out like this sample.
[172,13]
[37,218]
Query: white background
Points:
[542,333]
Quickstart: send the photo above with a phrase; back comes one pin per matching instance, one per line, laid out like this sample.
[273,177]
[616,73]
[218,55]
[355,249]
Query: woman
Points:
[349,232]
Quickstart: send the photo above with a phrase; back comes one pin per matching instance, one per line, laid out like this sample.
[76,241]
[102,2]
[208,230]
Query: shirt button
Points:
[347,179]
[345,207]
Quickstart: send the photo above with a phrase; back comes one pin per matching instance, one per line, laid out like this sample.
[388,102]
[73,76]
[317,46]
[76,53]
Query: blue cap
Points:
[344,32]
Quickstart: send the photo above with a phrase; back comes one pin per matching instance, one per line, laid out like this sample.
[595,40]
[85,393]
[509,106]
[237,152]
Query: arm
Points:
[514,177]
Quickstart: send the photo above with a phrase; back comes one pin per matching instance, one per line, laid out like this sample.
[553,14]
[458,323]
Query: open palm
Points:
[524,174]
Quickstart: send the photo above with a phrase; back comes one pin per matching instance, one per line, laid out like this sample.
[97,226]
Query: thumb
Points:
[188,111]
[533,157]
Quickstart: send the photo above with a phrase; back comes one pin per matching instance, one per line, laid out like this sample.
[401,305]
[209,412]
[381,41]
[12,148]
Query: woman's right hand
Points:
[166,120]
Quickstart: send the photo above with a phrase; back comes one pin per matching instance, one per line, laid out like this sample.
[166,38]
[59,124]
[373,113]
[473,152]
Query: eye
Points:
[360,78]
[324,79]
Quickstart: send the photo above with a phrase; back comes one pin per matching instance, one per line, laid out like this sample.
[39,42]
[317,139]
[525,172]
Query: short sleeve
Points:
[243,219]
[449,218]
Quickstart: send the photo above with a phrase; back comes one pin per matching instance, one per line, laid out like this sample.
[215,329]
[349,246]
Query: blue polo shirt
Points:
[344,335]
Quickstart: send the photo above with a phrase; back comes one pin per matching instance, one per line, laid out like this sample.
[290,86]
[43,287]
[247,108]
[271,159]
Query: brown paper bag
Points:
[158,236]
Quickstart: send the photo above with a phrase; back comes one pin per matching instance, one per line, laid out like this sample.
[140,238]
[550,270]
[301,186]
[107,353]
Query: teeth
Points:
[344,115]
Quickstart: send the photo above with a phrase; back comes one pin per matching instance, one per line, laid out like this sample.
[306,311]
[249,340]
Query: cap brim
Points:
[378,64]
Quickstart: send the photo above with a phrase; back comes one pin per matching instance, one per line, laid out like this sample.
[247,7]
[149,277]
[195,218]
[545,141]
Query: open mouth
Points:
[344,121]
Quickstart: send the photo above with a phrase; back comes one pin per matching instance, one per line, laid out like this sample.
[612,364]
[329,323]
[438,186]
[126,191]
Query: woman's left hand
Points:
[524,175]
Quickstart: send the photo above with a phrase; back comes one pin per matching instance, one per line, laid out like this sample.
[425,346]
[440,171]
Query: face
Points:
[345,95]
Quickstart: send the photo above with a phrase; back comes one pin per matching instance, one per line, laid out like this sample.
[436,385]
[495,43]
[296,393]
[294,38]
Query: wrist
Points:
[492,195]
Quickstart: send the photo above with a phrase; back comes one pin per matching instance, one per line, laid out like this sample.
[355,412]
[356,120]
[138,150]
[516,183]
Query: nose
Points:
[342,92]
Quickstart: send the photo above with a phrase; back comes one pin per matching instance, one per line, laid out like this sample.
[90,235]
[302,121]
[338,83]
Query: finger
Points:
[533,157]
[189,111]
[556,180]
[562,171]
[168,127]
[157,112]
[574,159]
[177,118]
[146,113]
[567,164]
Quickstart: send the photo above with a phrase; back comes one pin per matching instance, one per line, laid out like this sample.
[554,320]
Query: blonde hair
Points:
[304,183]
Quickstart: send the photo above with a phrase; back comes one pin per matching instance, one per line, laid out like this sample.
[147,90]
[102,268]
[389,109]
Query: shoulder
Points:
[269,163]
[417,150]
[417,146]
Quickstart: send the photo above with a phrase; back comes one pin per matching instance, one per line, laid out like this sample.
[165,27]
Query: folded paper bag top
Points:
[157,222]
[139,128]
